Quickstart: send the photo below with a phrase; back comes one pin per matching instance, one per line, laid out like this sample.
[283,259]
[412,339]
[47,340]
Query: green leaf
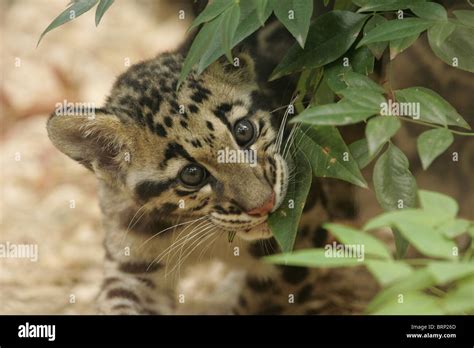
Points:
[329,37]
[337,114]
[306,84]
[438,204]
[343,5]
[249,23]
[230,21]
[260,6]
[360,151]
[312,258]
[459,300]
[295,16]
[440,32]
[387,272]
[432,143]
[426,240]
[201,42]
[101,9]
[324,94]
[339,76]
[466,17]
[386,5]
[453,228]
[416,216]
[363,97]
[379,130]
[429,10]
[399,45]
[377,48]
[76,9]
[396,29]
[284,221]
[394,186]
[362,61]
[334,76]
[414,303]
[419,279]
[458,47]
[445,272]
[432,107]
[353,79]
[351,236]
[328,154]
[393,182]
[212,10]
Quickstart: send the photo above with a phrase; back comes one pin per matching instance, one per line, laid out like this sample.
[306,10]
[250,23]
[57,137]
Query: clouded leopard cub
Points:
[166,197]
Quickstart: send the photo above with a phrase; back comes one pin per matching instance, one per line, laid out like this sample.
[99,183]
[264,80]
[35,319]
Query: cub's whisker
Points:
[174,226]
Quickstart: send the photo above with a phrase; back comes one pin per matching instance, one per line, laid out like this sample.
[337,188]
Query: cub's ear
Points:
[97,141]
[241,71]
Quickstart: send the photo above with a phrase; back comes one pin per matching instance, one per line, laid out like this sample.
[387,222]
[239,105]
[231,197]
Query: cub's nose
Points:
[265,208]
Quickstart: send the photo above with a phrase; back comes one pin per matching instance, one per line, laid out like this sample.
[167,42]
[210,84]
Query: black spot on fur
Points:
[174,150]
[193,108]
[263,248]
[259,285]
[320,237]
[198,97]
[139,267]
[183,124]
[209,126]
[196,143]
[182,193]
[168,121]
[109,281]
[304,294]
[160,130]
[148,189]
[174,106]
[148,282]
[220,113]
[204,203]
[293,274]
[123,293]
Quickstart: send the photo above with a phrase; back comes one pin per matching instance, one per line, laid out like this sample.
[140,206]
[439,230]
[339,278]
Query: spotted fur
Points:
[138,143]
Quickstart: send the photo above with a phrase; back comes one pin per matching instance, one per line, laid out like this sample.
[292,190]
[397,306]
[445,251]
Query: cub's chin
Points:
[261,231]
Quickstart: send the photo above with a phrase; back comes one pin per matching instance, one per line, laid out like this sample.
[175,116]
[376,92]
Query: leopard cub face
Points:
[208,149]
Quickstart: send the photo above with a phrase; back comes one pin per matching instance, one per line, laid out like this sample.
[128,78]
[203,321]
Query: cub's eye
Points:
[244,132]
[193,175]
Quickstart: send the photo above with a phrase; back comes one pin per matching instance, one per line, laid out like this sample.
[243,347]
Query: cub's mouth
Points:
[252,228]
[260,231]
